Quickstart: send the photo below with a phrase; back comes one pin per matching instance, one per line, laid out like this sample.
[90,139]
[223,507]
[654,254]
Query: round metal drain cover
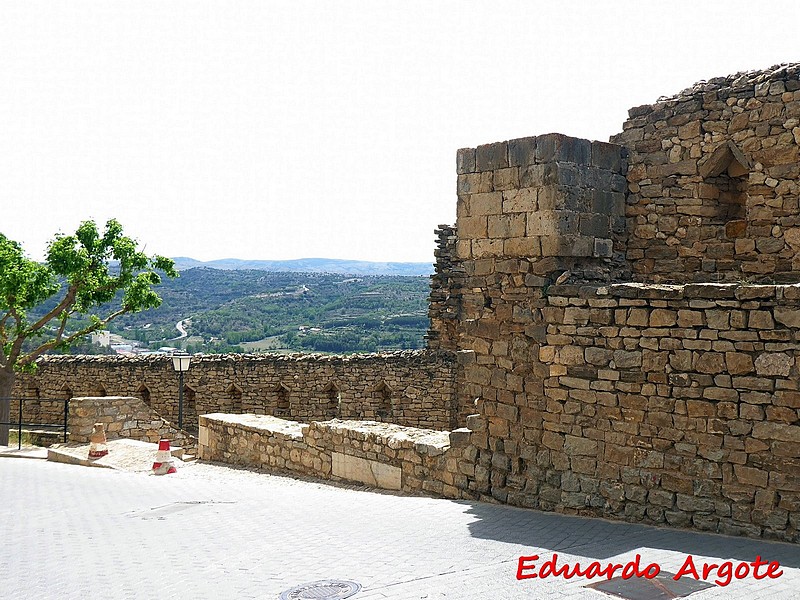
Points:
[327,589]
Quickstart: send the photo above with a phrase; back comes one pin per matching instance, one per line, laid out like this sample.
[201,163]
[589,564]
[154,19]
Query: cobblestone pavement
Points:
[214,532]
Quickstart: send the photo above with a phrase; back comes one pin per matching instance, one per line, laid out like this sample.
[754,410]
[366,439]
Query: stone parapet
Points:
[380,455]
[414,388]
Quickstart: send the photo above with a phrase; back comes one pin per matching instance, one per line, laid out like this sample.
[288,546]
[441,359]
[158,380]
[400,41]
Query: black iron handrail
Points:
[20,424]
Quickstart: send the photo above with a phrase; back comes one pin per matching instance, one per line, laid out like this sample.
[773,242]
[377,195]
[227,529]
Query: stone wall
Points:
[415,388]
[713,181]
[673,405]
[552,196]
[444,305]
[380,455]
[123,418]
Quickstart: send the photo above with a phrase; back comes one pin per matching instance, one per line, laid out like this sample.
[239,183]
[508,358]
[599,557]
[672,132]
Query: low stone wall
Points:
[123,417]
[380,455]
[413,388]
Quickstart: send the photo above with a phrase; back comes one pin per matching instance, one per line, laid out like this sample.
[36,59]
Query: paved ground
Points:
[211,532]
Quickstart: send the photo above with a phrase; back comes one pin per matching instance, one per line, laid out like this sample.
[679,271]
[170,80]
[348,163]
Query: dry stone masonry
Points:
[617,324]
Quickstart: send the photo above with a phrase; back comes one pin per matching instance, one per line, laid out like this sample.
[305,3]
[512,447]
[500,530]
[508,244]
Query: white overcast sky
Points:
[274,130]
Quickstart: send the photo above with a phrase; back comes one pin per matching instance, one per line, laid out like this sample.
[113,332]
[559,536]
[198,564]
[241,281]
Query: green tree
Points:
[87,280]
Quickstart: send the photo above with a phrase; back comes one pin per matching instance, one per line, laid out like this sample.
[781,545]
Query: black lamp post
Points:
[180,362]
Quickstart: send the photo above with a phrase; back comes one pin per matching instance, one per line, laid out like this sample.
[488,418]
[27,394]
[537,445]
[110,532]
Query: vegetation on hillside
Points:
[245,311]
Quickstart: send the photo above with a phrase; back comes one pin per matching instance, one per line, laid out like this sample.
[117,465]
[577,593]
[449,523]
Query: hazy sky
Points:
[272,130]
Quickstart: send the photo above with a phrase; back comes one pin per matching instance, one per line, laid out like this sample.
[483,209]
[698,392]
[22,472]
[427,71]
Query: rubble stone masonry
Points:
[414,388]
[714,179]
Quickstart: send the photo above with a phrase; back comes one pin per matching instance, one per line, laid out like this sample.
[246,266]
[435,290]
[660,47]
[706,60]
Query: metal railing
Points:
[19,423]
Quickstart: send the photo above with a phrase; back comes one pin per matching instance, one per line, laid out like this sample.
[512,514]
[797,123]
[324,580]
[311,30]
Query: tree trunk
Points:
[6,385]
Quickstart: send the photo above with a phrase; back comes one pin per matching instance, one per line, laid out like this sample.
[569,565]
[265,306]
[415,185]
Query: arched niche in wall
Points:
[144,393]
[189,397]
[383,397]
[283,405]
[66,392]
[234,397]
[725,174]
[332,400]
[100,391]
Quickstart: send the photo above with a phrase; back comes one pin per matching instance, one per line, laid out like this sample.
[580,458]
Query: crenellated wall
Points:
[415,388]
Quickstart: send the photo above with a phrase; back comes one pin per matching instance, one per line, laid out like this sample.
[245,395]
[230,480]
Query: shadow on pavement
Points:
[601,539]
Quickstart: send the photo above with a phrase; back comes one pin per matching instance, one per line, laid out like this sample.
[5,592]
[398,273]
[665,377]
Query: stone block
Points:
[788,316]
[473,227]
[595,225]
[465,161]
[520,200]
[625,359]
[522,247]
[606,156]
[567,245]
[505,179]
[489,157]
[552,223]
[485,204]
[711,363]
[522,152]
[369,472]
[603,248]
[773,364]
[475,183]
[738,363]
[751,476]
[538,176]
[661,317]
[505,226]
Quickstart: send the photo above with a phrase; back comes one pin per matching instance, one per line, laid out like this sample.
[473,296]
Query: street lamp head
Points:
[180,361]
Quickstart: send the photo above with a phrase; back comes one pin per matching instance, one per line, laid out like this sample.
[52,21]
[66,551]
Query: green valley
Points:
[256,310]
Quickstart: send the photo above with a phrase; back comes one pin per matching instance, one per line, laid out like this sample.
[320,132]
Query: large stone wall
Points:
[713,181]
[415,388]
[671,405]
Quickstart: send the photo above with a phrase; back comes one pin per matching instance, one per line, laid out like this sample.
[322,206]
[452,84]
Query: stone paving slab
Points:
[214,532]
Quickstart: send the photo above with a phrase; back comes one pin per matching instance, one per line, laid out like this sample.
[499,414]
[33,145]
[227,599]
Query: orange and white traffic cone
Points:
[163,464]
[97,446]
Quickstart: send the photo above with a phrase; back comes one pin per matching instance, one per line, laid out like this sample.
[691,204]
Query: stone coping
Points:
[258,424]
[710,291]
[424,441]
[398,355]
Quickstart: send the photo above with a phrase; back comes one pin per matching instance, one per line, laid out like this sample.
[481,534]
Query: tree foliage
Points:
[82,277]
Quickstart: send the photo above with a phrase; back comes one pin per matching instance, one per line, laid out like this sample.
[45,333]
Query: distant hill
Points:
[310,265]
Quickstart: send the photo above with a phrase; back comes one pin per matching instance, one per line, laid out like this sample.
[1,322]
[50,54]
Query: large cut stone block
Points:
[370,472]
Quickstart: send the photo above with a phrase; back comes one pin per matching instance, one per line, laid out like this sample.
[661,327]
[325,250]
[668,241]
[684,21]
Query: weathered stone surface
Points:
[774,364]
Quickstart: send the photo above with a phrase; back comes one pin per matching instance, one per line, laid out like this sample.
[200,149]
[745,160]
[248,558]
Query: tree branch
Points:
[66,302]
[59,339]
[16,347]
